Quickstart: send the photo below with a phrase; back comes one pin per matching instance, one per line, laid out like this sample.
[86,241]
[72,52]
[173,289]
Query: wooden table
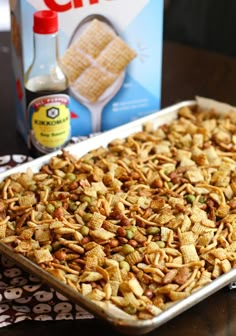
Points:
[186,72]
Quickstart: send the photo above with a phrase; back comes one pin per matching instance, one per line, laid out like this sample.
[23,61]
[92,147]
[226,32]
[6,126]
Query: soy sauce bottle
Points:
[46,88]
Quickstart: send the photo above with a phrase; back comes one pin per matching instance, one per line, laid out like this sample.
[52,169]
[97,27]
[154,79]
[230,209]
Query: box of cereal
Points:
[110,51]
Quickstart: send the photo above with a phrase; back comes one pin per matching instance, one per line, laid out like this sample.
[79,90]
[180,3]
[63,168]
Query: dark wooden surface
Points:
[186,72]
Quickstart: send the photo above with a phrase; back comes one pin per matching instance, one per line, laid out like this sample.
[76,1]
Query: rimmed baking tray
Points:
[111,315]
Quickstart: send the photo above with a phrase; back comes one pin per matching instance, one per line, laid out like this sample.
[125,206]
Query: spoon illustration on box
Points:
[95,64]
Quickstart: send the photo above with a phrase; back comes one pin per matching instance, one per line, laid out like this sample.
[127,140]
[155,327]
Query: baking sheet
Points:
[111,315]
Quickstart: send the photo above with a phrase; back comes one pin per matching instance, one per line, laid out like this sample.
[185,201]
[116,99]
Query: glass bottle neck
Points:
[45,74]
[45,48]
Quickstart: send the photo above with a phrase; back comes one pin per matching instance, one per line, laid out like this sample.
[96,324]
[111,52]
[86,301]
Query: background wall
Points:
[207,24]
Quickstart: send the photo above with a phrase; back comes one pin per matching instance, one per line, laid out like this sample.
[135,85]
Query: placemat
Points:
[22,295]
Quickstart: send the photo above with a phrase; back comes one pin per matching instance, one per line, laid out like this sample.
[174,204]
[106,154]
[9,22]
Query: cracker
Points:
[93,83]
[116,56]
[73,63]
[95,38]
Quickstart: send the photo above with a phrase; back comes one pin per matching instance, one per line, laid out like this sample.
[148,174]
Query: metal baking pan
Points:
[127,326]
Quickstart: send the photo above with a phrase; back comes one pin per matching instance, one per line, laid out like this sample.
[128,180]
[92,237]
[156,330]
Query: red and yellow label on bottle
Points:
[49,122]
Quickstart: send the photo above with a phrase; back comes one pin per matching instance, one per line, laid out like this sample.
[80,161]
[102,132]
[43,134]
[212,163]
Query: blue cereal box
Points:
[110,51]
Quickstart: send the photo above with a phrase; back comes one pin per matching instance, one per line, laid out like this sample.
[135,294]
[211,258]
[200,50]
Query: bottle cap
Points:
[45,22]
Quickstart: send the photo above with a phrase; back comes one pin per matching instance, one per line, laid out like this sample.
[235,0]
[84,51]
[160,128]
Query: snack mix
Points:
[140,224]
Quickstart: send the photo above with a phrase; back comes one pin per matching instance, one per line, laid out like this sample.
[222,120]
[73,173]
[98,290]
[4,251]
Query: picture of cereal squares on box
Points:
[96,60]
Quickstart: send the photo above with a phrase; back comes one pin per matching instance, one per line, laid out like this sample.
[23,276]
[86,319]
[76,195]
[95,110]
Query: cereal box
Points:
[110,51]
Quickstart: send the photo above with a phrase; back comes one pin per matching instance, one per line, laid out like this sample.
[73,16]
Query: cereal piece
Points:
[209,258]
[43,256]
[97,251]
[154,310]
[178,260]
[119,300]
[91,262]
[116,56]
[152,247]
[96,221]
[27,200]
[205,239]
[189,253]
[134,258]
[226,266]
[131,300]
[93,83]
[194,175]
[219,253]
[114,273]
[110,226]
[95,38]
[197,215]
[186,224]
[208,223]
[205,278]
[165,232]
[186,238]
[199,229]
[42,233]
[73,63]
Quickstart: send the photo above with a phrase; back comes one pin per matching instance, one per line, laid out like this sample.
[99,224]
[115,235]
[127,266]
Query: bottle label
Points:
[49,122]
